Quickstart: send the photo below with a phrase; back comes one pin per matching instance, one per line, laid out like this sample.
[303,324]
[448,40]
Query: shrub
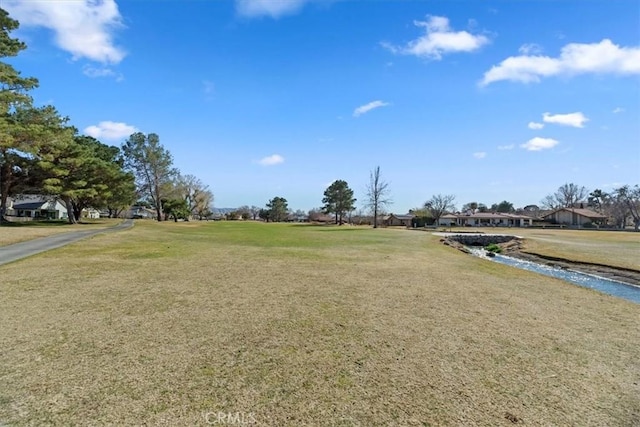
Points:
[493,248]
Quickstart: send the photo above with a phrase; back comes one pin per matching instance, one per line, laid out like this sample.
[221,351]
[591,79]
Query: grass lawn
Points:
[619,249]
[296,325]
[14,232]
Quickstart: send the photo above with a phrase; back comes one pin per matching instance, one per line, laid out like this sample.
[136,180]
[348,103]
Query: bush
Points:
[493,248]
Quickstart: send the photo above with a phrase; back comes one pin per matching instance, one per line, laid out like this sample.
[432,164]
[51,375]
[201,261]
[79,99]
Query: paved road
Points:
[21,250]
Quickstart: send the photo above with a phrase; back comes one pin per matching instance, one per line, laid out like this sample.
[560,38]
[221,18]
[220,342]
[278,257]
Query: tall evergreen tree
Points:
[338,199]
[277,209]
[13,95]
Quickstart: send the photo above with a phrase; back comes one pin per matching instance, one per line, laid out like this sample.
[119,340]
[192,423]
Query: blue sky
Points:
[486,100]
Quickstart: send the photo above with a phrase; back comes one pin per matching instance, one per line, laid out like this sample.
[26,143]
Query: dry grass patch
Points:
[301,325]
[20,232]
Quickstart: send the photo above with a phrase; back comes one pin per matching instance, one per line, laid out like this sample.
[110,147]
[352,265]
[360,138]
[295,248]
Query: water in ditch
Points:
[601,284]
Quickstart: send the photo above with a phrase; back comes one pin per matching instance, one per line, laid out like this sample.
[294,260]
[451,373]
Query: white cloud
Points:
[575,58]
[506,147]
[272,8]
[84,28]
[271,160]
[110,130]
[618,110]
[368,107]
[96,72]
[576,120]
[90,71]
[438,40]
[530,49]
[537,144]
[535,126]
[480,155]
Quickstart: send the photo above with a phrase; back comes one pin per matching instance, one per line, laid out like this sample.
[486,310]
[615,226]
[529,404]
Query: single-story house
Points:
[515,220]
[91,213]
[394,220]
[448,220]
[482,219]
[574,217]
[38,209]
[321,217]
[486,219]
[140,212]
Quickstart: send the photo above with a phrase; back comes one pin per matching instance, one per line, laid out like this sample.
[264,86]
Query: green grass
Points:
[304,325]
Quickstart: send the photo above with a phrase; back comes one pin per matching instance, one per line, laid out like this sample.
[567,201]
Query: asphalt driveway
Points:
[21,250]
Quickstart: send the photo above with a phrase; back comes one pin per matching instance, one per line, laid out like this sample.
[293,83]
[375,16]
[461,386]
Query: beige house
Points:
[574,217]
[394,220]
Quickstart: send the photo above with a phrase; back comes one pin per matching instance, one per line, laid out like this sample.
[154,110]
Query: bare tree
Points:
[315,214]
[203,204]
[549,202]
[244,211]
[630,198]
[377,192]
[152,165]
[615,208]
[567,196]
[194,192]
[255,212]
[440,204]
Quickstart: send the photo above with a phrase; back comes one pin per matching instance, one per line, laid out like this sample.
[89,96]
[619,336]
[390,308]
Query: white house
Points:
[448,220]
[486,219]
[140,212]
[36,208]
[91,213]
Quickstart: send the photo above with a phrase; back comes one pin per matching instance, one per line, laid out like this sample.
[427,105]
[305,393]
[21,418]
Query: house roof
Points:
[406,216]
[516,216]
[492,215]
[588,213]
[484,215]
[30,205]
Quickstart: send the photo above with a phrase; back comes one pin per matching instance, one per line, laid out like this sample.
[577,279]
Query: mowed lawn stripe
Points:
[305,325]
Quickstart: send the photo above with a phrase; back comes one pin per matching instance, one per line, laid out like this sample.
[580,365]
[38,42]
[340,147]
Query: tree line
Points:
[41,153]
[338,201]
[620,205]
